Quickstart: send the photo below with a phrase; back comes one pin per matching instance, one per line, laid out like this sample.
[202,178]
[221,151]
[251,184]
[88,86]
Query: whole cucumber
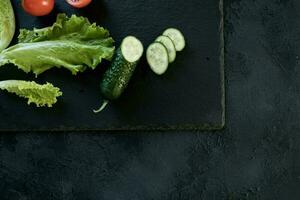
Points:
[117,77]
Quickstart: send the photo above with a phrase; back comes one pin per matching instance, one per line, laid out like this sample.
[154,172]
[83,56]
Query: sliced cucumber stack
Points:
[163,50]
[158,58]
[117,77]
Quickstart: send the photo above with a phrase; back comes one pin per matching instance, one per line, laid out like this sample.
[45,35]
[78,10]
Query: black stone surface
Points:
[189,96]
[256,157]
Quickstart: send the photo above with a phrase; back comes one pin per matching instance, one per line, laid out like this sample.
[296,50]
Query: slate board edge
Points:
[183,127]
[222,65]
[203,127]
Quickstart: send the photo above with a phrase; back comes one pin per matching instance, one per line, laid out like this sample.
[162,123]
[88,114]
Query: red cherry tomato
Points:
[79,3]
[38,7]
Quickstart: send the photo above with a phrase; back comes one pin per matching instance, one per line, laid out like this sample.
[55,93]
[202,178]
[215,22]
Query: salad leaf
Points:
[7,23]
[72,42]
[41,95]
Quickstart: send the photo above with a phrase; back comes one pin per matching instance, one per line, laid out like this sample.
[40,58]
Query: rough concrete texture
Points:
[257,156]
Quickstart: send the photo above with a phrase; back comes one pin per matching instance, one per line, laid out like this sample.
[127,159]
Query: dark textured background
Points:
[257,156]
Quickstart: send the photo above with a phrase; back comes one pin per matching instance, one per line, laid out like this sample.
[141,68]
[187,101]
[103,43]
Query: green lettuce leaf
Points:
[41,95]
[72,42]
[7,23]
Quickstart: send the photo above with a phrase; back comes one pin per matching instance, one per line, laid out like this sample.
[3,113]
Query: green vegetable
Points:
[117,77]
[7,23]
[158,58]
[167,42]
[73,43]
[41,95]
[163,51]
[177,37]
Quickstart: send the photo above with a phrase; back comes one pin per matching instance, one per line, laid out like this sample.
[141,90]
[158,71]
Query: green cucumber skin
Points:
[117,77]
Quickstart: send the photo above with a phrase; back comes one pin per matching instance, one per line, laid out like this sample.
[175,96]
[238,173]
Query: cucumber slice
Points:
[157,57]
[132,49]
[165,40]
[177,38]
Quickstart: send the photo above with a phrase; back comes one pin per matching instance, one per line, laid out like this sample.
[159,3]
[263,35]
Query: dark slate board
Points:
[189,96]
